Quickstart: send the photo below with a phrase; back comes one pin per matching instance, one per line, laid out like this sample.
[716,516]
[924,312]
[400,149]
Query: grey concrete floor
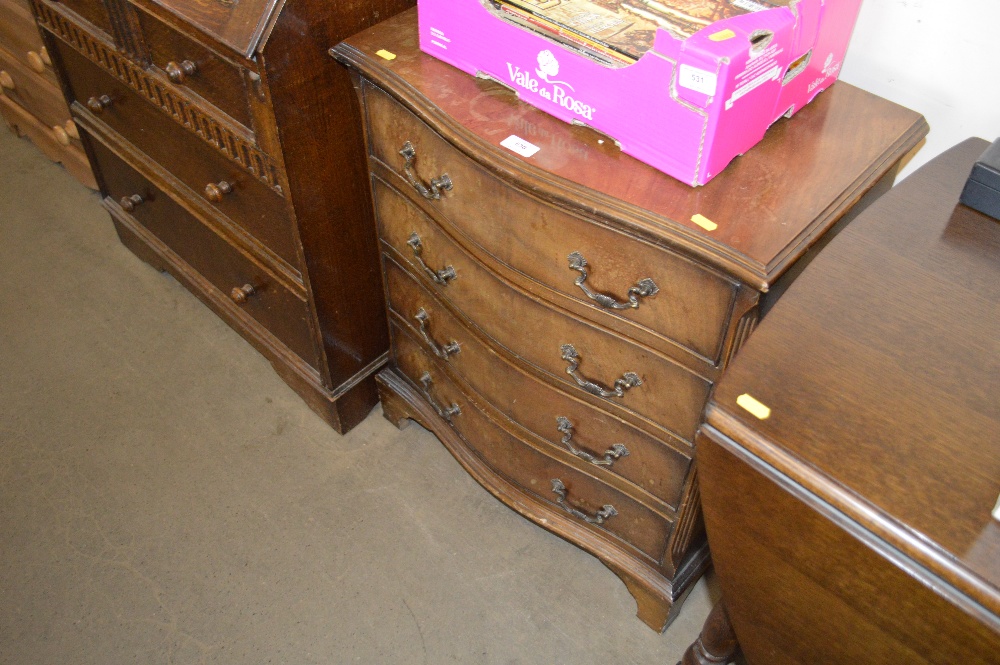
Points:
[165,498]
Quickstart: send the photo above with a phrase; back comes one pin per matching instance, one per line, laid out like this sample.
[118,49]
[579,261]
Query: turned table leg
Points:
[717,643]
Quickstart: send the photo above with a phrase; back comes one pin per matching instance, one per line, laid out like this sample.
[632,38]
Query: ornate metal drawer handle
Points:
[643,288]
[446,413]
[442,276]
[437,184]
[443,352]
[611,455]
[605,513]
[628,380]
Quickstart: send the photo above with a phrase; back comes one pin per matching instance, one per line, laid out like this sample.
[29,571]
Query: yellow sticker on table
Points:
[754,406]
[388,55]
[704,222]
[722,35]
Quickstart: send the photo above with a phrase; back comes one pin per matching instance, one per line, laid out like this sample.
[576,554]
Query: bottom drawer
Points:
[249,286]
[527,467]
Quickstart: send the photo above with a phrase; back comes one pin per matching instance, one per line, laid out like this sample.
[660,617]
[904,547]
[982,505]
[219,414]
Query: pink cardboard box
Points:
[688,106]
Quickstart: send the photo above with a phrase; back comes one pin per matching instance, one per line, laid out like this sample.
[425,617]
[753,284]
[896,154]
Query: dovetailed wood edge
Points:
[609,210]
[881,532]
[238,148]
[401,400]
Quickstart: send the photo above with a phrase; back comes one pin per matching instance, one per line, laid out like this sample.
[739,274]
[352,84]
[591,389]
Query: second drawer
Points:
[274,307]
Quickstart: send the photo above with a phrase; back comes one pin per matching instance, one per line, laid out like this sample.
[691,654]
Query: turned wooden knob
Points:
[61,135]
[71,129]
[240,294]
[35,62]
[5,80]
[44,53]
[129,203]
[178,72]
[98,104]
[214,191]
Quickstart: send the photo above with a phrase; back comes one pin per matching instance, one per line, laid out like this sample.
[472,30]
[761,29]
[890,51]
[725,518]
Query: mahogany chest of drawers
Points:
[559,320]
[228,150]
[852,526]
[31,101]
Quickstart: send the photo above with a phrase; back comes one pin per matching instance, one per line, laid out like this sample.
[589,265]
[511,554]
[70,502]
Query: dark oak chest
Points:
[228,150]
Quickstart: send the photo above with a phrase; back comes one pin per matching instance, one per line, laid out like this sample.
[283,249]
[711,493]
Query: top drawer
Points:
[689,306]
[190,65]
[93,11]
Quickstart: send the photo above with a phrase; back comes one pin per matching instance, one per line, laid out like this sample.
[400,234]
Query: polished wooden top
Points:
[770,205]
[881,367]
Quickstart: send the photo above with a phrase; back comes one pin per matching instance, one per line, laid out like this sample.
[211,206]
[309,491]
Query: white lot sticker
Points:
[696,79]
[520,146]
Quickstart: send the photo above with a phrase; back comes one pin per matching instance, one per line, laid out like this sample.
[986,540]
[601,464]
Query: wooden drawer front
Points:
[251,204]
[274,307]
[19,36]
[91,10]
[692,306]
[650,464]
[33,92]
[670,396]
[527,467]
[218,81]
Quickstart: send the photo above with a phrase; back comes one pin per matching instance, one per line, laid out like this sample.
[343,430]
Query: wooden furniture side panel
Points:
[804,586]
[319,128]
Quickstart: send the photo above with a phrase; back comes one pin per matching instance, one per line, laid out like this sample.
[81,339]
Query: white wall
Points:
[938,57]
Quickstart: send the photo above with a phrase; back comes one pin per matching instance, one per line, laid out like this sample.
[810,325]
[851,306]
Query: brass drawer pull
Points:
[446,413]
[130,203]
[628,380]
[611,455]
[215,192]
[643,288]
[6,80]
[605,513]
[98,104]
[443,352]
[439,276]
[241,294]
[437,184]
[179,72]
